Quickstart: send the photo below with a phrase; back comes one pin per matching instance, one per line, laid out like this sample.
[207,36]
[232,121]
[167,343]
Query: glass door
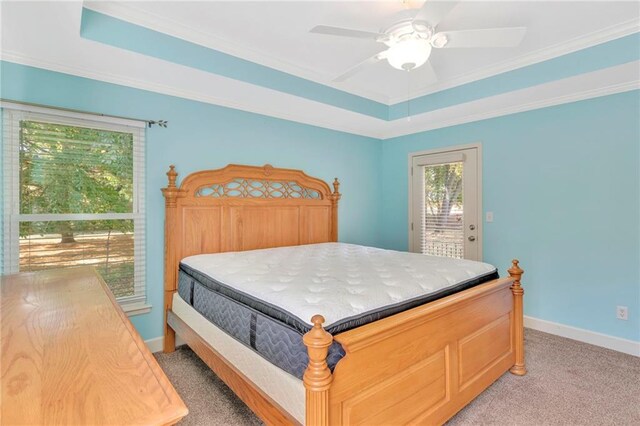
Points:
[444,198]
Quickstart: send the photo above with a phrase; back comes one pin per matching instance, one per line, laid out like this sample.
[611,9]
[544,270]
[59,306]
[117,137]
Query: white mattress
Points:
[336,280]
[282,387]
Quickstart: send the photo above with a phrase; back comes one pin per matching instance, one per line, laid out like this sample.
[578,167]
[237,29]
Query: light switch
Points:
[489,217]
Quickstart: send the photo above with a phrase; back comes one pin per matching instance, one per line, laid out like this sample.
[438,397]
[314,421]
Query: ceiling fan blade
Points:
[492,37]
[432,11]
[345,32]
[359,67]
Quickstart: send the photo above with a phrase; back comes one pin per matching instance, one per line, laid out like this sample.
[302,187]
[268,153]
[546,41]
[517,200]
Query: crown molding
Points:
[485,115]
[609,81]
[134,15]
[261,101]
[275,104]
[578,43]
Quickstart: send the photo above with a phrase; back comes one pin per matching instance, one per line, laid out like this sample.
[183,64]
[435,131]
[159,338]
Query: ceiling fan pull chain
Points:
[409,95]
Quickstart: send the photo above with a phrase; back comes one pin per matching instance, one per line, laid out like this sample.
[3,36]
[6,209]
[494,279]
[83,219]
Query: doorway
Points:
[445,202]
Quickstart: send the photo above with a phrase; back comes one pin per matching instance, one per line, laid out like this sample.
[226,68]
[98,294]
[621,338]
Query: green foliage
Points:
[443,188]
[69,169]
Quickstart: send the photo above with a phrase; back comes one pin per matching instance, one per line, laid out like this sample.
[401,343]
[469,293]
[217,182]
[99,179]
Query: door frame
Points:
[480,209]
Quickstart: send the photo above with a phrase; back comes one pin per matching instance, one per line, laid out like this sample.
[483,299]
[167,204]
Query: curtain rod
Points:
[159,123]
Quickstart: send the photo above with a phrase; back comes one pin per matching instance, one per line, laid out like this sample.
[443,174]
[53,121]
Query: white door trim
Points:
[447,149]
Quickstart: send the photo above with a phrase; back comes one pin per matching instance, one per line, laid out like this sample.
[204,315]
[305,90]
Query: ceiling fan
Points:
[410,41]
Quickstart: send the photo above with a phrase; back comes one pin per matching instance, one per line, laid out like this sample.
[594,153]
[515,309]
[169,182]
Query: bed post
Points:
[335,197]
[317,377]
[518,319]
[171,193]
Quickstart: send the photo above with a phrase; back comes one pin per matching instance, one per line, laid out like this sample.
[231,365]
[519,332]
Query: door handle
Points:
[472,238]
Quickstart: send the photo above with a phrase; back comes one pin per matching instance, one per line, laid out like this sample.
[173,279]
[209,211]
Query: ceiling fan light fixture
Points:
[421,27]
[439,41]
[408,54]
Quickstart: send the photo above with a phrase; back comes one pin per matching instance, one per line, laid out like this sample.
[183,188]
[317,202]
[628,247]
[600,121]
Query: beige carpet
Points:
[569,383]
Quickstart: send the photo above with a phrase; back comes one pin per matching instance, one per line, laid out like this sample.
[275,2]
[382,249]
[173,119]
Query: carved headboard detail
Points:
[242,208]
[257,188]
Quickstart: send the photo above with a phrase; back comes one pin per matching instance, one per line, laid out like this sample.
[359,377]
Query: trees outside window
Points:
[75,186]
[443,209]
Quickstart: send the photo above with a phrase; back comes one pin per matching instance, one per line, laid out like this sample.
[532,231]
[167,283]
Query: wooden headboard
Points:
[242,208]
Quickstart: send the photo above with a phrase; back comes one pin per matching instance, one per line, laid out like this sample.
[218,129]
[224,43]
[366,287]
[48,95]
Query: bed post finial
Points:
[336,188]
[516,272]
[518,317]
[317,377]
[171,192]
[172,175]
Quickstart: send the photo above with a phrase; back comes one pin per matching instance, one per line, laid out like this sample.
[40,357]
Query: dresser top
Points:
[71,356]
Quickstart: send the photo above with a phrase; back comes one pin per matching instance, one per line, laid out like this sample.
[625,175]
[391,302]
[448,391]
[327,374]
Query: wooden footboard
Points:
[420,366]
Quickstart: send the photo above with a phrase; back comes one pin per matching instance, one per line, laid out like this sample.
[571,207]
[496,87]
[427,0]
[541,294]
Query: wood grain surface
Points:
[423,365]
[69,355]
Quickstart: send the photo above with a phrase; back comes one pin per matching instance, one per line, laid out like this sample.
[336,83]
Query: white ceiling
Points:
[47,35]
[276,34]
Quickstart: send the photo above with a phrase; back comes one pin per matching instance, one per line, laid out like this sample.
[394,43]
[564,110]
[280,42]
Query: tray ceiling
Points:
[133,50]
[276,34]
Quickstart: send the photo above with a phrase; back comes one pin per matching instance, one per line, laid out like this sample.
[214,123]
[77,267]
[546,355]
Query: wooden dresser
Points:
[69,355]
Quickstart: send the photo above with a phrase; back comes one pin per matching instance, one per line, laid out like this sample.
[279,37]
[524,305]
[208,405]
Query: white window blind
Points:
[442,225]
[438,182]
[73,189]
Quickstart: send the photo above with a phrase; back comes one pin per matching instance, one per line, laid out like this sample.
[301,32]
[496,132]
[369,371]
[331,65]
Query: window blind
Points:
[442,225]
[74,195]
[437,200]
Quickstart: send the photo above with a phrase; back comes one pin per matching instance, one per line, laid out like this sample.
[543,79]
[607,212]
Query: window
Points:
[74,195]
[443,232]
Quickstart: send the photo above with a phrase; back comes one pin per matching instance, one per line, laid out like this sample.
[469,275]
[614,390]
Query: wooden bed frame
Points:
[419,366]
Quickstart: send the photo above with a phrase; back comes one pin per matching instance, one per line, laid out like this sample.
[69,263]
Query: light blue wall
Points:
[564,186]
[115,32]
[563,183]
[203,136]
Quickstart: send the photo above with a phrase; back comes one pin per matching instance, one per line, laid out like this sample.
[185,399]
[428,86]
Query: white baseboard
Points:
[610,342]
[155,345]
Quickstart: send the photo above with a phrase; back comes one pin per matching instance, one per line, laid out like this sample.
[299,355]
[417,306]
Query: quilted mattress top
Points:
[337,280]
